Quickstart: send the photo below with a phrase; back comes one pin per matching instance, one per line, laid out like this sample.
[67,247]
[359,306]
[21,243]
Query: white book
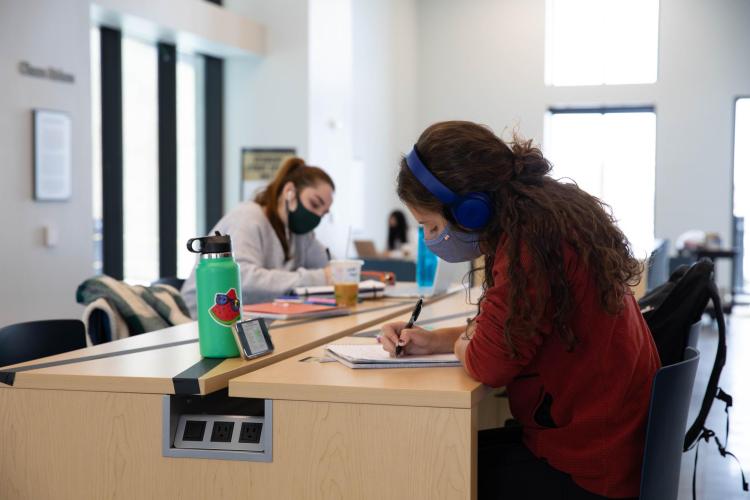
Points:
[374,356]
[367,289]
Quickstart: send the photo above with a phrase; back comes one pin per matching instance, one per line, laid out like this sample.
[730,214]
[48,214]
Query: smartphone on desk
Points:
[252,337]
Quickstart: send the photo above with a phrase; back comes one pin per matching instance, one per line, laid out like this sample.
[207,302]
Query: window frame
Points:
[738,269]
[209,151]
[604,110]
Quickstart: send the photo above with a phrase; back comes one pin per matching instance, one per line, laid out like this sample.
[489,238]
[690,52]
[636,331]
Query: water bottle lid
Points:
[218,243]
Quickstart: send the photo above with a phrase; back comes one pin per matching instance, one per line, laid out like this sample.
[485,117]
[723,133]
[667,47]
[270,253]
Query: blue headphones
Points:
[471,210]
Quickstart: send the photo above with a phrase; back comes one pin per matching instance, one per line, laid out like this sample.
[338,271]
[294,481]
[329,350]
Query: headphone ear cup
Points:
[473,211]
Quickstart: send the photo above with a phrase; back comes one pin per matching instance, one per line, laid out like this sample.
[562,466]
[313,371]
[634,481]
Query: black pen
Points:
[328,254]
[412,320]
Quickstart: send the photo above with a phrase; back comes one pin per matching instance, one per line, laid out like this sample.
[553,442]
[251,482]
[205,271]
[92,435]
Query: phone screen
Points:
[253,337]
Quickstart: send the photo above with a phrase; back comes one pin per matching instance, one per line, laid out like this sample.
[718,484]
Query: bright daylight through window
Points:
[611,156]
[601,42]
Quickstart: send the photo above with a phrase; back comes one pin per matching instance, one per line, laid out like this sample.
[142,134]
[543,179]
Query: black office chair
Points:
[658,266]
[37,339]
[667,423]
[172,281]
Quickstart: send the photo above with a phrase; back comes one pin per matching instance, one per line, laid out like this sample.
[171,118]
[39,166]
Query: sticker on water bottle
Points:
[226,308]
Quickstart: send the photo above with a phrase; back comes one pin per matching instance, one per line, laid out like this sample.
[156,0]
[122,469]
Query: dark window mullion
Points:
[112,181]
[214,139]
[602,110]
[167,85]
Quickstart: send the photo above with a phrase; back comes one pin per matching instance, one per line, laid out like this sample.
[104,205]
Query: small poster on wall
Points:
[259,166]
[52,155]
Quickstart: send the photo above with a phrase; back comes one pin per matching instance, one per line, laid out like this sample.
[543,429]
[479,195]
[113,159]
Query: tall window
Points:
[611,155]
[742,180]
[140,161]
[189,74]
[601,42]
[96,150]
[133,68]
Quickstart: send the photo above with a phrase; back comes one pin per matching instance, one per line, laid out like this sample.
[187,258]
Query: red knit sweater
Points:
[583,411]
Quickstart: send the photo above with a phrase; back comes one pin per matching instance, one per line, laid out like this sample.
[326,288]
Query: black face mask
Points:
[302,220]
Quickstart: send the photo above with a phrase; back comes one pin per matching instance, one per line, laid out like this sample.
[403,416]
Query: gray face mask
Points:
[453,245]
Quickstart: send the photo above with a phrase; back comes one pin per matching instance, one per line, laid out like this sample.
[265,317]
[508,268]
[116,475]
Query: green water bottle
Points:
[217,284]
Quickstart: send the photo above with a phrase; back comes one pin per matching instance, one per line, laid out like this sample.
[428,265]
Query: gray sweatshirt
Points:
[258,251]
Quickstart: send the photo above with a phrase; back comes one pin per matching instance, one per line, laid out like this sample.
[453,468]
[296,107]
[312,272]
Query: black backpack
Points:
[669,311]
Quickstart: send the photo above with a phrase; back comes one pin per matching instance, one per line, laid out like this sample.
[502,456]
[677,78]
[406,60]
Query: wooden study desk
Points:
[89,423]
[398,433]
[169,362]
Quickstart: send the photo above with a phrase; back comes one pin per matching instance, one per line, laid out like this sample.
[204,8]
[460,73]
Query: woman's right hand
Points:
[414,340]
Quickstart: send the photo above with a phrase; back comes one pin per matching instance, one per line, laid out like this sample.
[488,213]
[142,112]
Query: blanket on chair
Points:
[142,308]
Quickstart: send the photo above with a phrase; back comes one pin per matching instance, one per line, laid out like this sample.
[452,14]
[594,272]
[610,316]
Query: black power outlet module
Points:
[194,430]
[222,432]
[250,432]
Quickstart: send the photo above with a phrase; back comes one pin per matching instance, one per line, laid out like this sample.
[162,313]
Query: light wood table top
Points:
[298,380]
[168,361]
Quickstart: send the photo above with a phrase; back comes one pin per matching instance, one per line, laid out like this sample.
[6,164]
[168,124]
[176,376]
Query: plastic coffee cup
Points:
[345,275]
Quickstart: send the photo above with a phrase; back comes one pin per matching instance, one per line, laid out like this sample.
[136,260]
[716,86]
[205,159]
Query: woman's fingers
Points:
[391,331]
[413,340]
[389,336]
[388,344]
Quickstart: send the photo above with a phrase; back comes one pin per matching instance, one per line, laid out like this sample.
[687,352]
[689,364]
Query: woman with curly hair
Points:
[557,323]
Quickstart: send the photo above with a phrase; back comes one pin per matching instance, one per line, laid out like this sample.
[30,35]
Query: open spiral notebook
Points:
[373,356]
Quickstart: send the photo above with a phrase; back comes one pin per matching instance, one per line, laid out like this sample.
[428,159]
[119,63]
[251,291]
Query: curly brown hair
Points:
[532,210]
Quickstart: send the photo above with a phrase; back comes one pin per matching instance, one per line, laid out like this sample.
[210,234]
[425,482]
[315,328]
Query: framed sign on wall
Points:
[259,166]
[52,155]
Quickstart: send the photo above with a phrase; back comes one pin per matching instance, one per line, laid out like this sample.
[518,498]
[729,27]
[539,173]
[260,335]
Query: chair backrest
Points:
[667,422]
[658,265]
[37,339]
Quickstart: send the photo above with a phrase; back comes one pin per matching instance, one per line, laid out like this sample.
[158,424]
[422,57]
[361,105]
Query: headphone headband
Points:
[429,181]
[472,210]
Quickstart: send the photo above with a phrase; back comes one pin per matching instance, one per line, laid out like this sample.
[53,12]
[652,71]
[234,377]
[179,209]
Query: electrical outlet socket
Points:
[222,432]
[194,430]
[250,432]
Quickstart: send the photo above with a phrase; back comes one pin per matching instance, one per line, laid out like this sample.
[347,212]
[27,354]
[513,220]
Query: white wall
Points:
[330,117]
[484,61]
[385,102]
[338,82]
[40,282]
[266,99]
[703,68]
